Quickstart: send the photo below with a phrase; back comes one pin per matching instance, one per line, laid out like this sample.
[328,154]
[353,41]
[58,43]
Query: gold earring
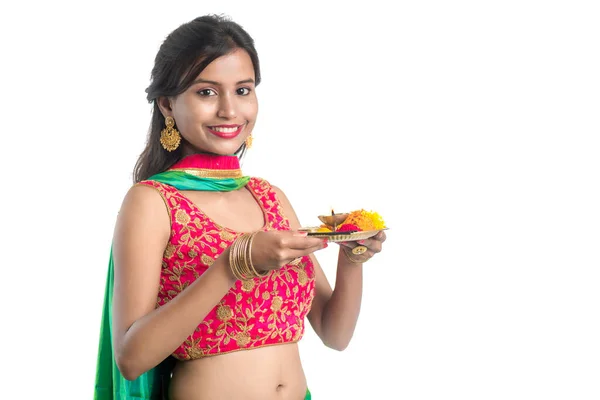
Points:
[169,137]
[249,141]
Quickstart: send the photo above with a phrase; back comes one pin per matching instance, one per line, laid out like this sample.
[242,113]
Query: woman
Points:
[210,280]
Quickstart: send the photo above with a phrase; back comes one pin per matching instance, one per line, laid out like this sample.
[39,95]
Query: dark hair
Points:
[181,58]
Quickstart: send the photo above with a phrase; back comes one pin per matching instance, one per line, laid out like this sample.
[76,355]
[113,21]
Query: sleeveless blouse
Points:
[254,313]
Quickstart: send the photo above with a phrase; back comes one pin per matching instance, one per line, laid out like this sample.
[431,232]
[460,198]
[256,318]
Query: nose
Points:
[227,107]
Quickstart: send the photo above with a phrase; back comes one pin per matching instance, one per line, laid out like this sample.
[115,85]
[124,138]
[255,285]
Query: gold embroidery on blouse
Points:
[224,313]
[302,277]
[207,260]
[235,321]
[248,285]
[169,251]
[182,217]
[276,304]
[227,236]
[242,339]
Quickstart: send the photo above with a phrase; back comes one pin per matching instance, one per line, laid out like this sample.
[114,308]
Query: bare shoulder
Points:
[143,210]
[144,196]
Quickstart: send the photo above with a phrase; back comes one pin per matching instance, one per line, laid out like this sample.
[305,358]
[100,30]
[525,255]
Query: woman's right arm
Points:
[144,335]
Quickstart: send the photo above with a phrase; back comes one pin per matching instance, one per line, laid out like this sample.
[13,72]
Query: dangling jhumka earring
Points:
[248,141]
[169,137]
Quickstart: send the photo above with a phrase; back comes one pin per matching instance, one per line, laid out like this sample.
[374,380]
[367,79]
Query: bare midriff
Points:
[267,373]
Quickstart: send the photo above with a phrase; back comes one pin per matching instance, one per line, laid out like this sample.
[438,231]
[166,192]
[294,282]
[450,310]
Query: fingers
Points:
[302,245]
[289,245]
[319,245]
[294,256]
[381,236]
[373,244]
[300,241]
[357,258]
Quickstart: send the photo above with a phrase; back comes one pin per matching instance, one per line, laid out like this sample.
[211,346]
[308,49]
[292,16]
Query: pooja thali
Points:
[341,236]
[347,227]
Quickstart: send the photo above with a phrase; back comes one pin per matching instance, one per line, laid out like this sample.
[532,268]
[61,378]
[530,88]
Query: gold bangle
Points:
[236,266]
[240,258]
[249,258]
[242,263]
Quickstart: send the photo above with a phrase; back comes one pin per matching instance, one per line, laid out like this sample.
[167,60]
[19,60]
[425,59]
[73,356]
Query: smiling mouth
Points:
[226,131]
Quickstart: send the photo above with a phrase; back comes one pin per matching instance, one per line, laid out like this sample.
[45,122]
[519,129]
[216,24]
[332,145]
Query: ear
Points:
[164,103]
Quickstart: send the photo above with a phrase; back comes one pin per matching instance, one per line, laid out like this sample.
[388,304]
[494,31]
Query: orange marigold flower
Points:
[365,220]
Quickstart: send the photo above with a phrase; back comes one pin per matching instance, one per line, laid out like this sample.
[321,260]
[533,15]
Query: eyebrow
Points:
[249,80]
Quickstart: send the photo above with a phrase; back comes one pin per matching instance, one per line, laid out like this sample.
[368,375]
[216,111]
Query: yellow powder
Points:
[365,220]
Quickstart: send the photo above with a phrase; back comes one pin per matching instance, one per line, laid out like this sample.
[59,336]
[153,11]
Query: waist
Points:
[267,373]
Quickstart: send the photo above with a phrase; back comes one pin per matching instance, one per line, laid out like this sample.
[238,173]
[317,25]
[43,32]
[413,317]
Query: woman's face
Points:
[218,111]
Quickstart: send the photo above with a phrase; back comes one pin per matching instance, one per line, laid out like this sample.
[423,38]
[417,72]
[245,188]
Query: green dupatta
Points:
[110,384]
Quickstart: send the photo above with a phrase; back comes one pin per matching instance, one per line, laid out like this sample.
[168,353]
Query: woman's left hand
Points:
[362,250]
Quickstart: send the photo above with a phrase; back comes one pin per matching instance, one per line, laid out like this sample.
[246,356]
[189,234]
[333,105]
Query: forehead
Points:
[234,66]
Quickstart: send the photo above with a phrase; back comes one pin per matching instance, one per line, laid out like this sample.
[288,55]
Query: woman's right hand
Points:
[274,249]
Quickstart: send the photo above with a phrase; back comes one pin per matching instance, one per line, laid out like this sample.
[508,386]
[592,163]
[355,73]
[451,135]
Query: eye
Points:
[206,92]
[243,91]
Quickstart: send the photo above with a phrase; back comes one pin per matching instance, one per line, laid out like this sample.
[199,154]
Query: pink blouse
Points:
[254,313]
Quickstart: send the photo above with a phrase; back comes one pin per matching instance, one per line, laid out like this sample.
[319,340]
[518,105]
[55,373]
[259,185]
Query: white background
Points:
[471,126]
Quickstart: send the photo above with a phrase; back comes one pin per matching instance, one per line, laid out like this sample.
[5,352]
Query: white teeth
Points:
[224,130]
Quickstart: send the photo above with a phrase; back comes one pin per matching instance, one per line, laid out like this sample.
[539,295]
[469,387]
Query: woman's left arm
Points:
[334,312]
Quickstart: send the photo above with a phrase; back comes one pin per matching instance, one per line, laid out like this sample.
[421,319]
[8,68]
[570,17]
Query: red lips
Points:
[226,131]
